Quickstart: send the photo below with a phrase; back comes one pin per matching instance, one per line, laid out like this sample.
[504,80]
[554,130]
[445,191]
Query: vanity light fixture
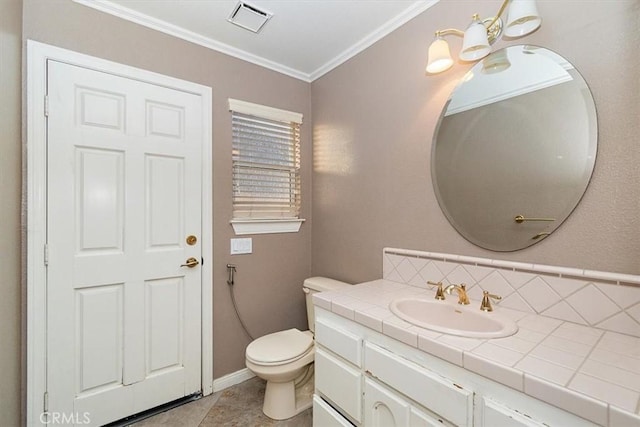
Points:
[522,19]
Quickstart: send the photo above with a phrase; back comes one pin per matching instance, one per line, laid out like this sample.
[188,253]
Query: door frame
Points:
[36,210]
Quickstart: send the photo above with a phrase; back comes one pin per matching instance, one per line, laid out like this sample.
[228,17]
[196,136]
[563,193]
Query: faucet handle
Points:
[439,291]
[485,305]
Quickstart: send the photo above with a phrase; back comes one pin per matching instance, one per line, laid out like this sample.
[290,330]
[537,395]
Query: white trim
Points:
[159,25]
[390,26]
[37,56]
[501,96]
[266,226]
[36,178]
[232,379]
[181,33]
[207,242]
[265,112]
[618,278]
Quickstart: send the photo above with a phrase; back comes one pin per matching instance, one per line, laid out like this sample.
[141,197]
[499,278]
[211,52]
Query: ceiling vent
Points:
[249,17]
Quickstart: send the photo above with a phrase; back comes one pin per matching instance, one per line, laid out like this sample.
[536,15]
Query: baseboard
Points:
[232,379]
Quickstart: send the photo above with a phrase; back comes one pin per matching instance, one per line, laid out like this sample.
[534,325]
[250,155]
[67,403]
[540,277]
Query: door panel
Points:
[165,322]
[165,120]
[100,198]
[164,202]
[99,338]
[124,191]
[100,108]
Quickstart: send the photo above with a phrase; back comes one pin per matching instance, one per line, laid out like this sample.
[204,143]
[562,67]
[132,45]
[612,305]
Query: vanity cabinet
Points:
[365,378]
[358,381]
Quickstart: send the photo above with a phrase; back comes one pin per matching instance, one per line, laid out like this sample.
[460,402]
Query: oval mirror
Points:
[515,147]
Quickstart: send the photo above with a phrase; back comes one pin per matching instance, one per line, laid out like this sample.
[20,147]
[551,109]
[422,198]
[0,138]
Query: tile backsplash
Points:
[609,301]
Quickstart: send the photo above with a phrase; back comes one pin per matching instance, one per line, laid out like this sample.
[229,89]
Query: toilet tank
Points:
[318,284]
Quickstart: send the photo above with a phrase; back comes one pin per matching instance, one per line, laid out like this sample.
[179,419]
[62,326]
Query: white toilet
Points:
[285,360]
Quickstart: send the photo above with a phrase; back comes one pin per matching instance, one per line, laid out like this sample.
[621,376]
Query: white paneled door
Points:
[123,278]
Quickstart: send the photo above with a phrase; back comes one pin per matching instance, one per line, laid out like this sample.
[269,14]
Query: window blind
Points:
[266,167]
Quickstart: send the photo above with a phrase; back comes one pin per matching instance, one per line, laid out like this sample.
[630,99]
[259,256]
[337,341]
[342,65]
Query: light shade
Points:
[523,18]
[475,44]
[496,62]
[439,57]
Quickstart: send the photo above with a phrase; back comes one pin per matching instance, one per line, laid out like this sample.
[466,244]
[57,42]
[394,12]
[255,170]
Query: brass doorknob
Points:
[191,262]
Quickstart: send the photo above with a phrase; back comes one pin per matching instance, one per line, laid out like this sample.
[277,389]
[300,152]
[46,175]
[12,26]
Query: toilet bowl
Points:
[285,360]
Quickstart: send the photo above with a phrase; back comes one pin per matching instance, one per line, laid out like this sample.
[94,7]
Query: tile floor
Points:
[240,405]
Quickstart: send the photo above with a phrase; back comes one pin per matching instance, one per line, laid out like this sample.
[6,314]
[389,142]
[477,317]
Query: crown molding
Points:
[131,15]
[190,36]
[390,26]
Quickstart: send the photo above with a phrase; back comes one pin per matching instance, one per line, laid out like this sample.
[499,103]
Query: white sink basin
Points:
[448,317]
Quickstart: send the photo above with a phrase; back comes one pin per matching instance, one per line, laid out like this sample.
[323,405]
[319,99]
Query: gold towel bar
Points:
[520,219]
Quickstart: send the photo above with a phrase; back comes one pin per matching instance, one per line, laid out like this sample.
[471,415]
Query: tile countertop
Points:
[586,371]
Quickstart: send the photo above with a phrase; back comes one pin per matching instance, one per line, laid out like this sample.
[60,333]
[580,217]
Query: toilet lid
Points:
[279,347]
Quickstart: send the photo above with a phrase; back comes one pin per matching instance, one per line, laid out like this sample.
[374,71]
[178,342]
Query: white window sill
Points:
[266,226]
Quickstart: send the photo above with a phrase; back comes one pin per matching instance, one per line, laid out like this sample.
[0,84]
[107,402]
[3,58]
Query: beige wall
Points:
[373,122]
[268,282]
[10,172]
[374,119]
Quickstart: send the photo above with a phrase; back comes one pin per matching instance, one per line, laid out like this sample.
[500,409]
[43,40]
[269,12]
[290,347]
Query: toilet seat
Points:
[280,348]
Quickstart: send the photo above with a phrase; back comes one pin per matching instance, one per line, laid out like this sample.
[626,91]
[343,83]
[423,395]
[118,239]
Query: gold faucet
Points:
[462,293]
[485,305]
[439,292]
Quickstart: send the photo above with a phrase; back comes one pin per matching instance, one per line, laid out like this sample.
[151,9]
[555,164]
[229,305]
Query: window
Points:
[266,169]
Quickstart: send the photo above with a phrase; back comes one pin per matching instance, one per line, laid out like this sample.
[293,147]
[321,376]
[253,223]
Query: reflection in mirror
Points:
[515,148]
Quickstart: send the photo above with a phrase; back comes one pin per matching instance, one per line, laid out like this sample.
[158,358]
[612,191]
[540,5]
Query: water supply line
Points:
[231,270]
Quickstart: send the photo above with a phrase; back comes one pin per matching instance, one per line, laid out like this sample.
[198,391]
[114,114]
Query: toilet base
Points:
[284,400]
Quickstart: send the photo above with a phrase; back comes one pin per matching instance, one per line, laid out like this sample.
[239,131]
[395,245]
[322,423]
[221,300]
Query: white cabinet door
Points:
[383,408]
[325,416]
[339,383]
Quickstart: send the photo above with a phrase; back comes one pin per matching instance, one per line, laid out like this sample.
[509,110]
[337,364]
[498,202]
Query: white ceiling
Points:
[304,38]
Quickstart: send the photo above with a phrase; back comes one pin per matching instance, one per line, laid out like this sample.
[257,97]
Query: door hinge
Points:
[46,105]
[45,402]
[46,254]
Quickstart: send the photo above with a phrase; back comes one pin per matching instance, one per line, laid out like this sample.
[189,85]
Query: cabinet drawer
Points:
[339,383]
[342,343]
[430,390]
[420,418]
[496,414]
[325,416]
